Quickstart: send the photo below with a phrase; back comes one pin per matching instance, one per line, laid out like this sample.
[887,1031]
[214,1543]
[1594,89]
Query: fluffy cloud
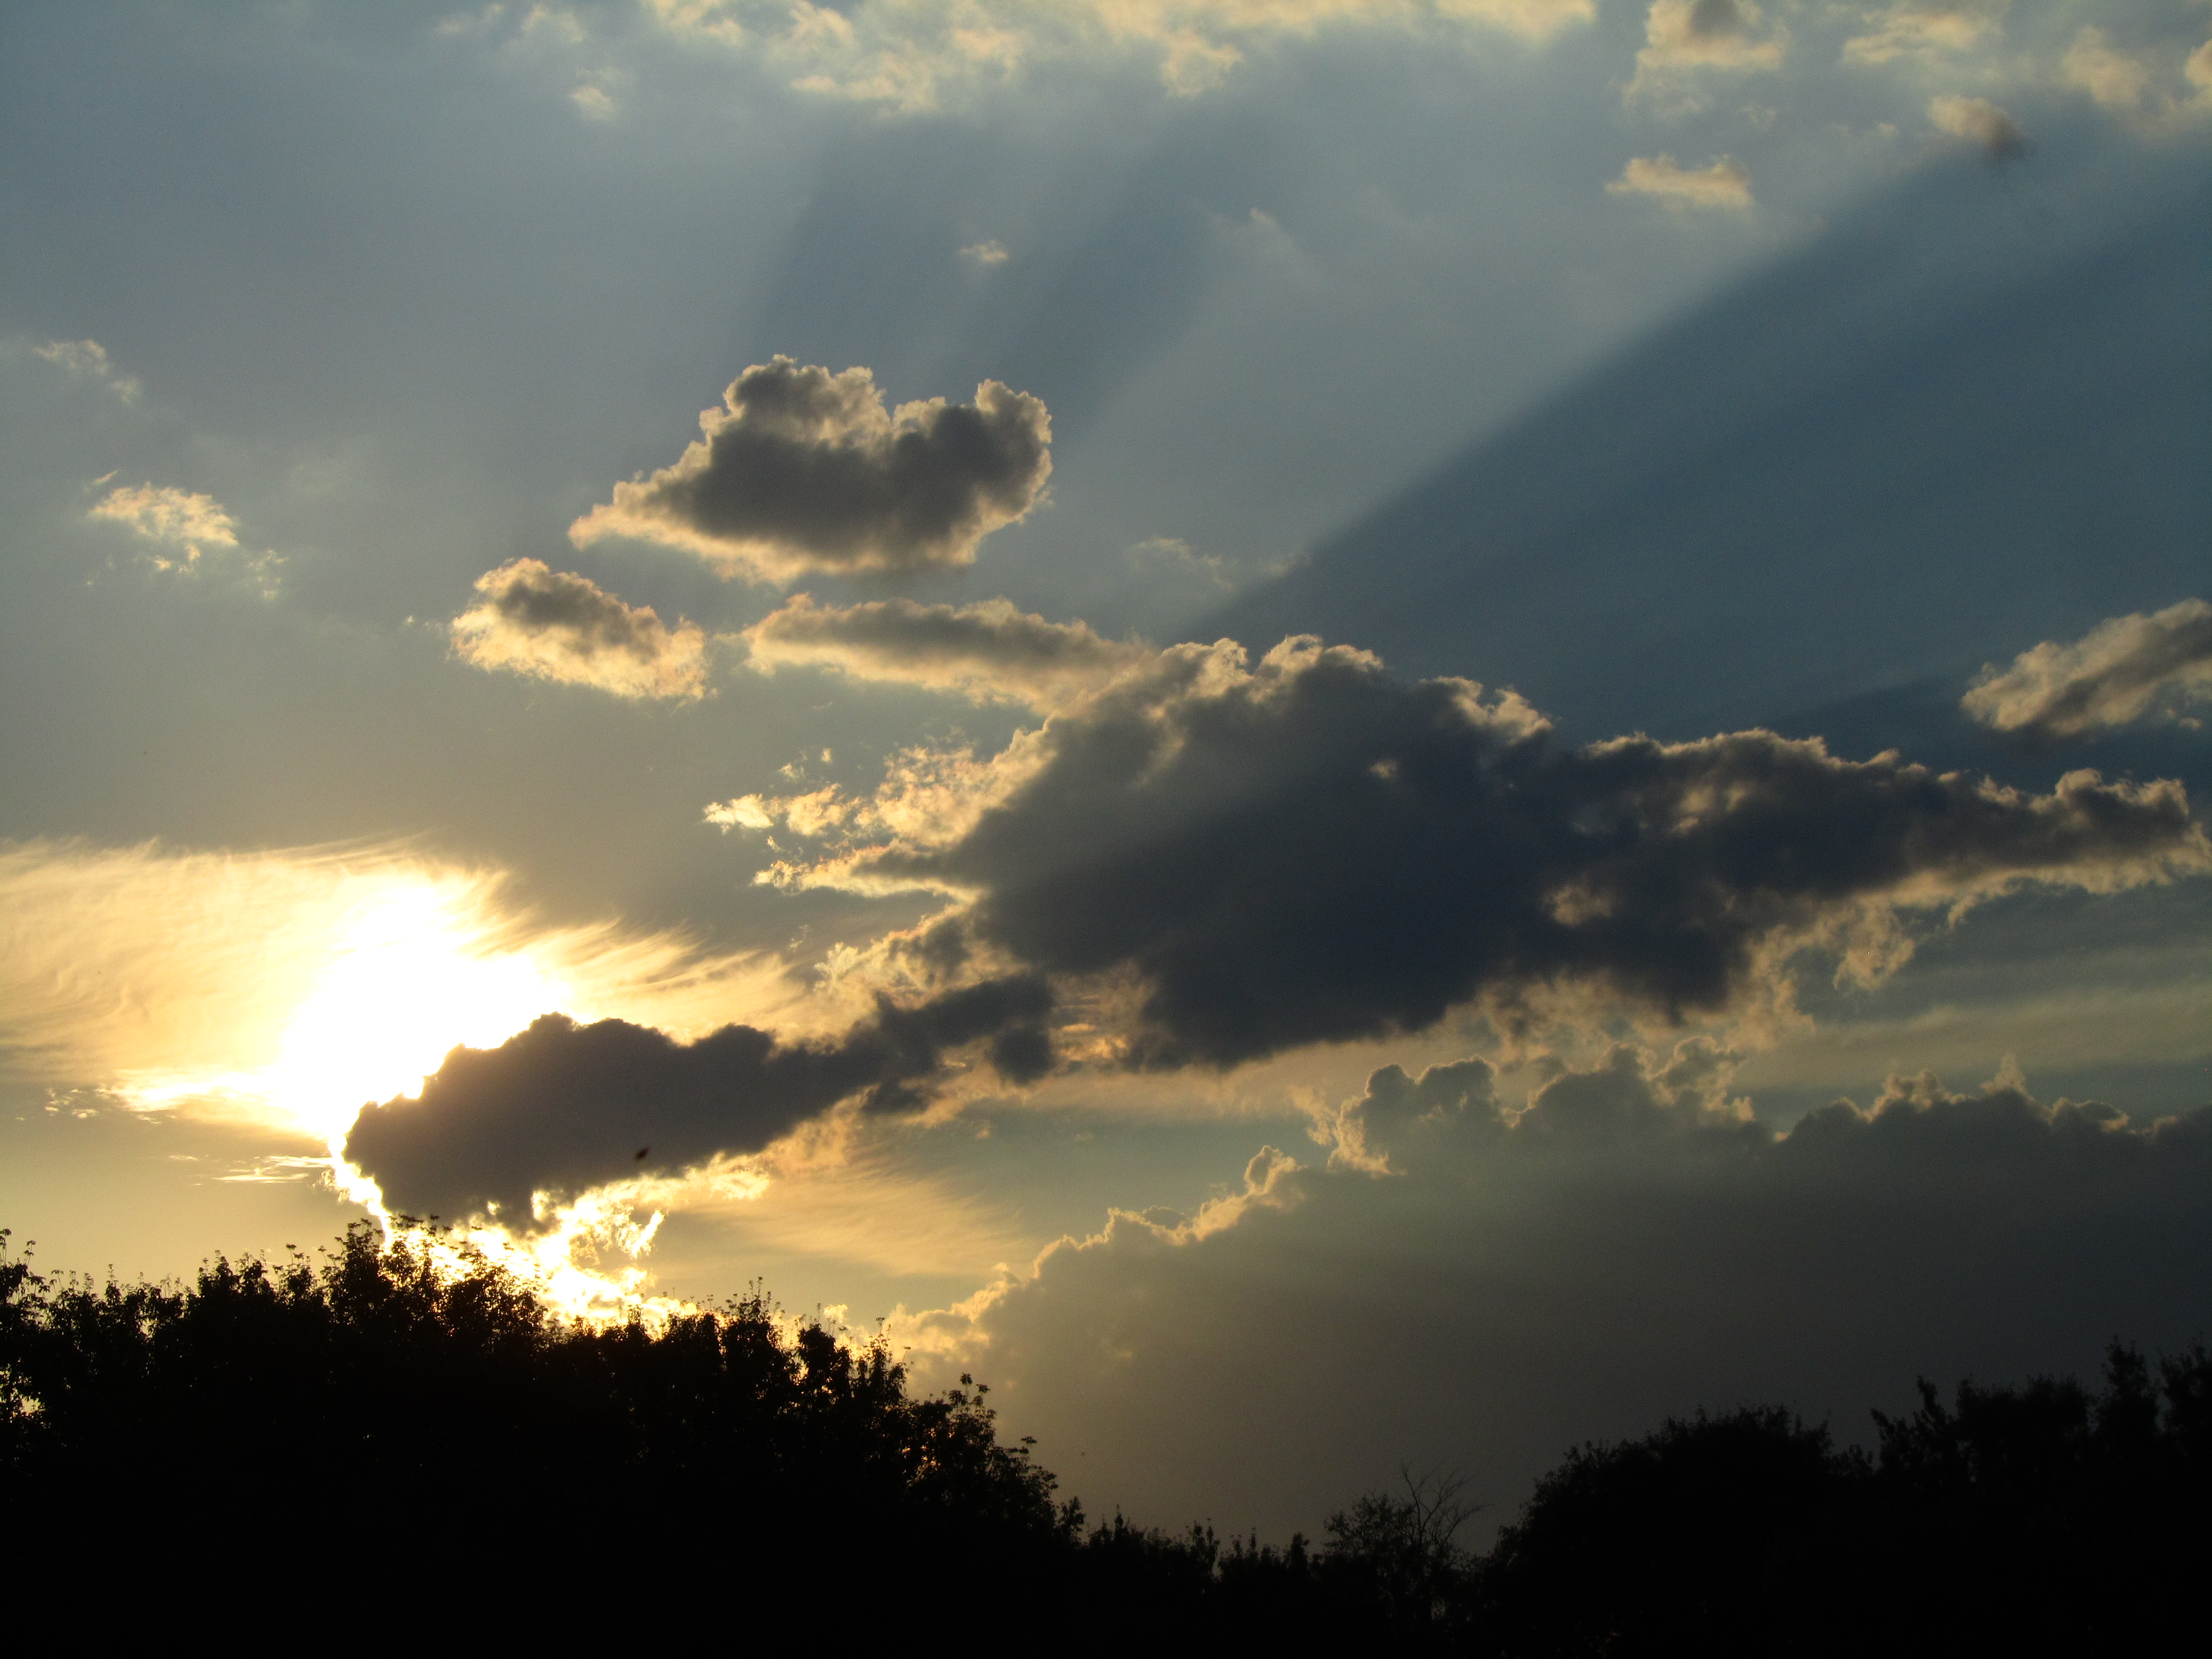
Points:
[1918,28]
[1721,185]
[803,469]
[178,517]
[557,626]
[1528,1276]
[2119,671]
[2158,87]
[1978,122]
[1684,37]
[1309,850]
[989,651]
[562,1108]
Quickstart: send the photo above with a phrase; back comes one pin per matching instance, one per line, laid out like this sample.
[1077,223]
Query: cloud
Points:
[562,1108]
[1527,1278]
[87,360]
[1310,851]
[1977,121]
[2160,88]
[918,55]
[2121,671]
[1684,37]
[1721,185]
[176,516]
[803,469]
[537,621]
[985,254]
[1917,28]
[191,524]
[989,651]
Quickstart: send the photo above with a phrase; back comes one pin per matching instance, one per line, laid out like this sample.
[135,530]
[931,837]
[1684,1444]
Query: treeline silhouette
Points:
[380,1438]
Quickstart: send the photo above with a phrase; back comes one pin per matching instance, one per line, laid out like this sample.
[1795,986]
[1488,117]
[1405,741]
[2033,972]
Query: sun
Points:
[413,975]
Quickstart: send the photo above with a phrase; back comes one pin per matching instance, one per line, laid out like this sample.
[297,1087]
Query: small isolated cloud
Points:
[1686,37]
[2161,86]
[1916,28]
[558,626]
[989,651]
[1978,122]
[985,254]
[2118,672]
[595,102]
[802,470]
[87,360]
[1722,184]
[192,533]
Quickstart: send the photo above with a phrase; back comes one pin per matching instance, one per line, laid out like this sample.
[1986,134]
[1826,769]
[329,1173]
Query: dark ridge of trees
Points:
[366,1439]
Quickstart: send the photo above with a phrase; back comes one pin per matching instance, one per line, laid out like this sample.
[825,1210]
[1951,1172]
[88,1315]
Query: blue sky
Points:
[395,654]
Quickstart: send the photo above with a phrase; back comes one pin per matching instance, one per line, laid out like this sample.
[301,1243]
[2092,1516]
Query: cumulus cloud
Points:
[1978,122]
[2120,671]
[2157,86]
[1686,37]
[1529,1277]
[989,651]
[803,469]
[1722,183]
[554,625]
[562,1108]
[1308,850]
[87,360]
[1918,28]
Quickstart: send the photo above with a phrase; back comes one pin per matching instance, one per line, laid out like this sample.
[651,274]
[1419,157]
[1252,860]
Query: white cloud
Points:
[1721,184]
[1684,38]
[194,532]
[985,253]
[2160,86]
[557,626]
[1918,28]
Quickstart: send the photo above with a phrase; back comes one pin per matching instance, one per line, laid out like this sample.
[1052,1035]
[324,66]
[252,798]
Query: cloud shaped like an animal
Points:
[805,470]
[2120,671]
[554,625]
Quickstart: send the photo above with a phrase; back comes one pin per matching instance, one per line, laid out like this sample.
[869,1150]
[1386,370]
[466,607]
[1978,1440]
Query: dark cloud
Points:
[1977,121]
[1523,1284]
[563,1107]
[803,469]
[1313,851]
[558,626]
[988,651]
[2118,672]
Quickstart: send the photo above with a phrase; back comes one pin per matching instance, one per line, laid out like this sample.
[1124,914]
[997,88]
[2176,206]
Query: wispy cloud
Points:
[87,360]
[184,525]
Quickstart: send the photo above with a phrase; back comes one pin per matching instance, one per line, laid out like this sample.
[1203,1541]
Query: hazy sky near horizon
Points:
[1321,671]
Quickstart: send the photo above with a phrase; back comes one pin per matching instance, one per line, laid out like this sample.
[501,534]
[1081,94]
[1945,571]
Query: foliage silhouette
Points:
[405,1433]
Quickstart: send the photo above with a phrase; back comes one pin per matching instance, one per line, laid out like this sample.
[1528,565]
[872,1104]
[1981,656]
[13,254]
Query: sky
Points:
[1333,733]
